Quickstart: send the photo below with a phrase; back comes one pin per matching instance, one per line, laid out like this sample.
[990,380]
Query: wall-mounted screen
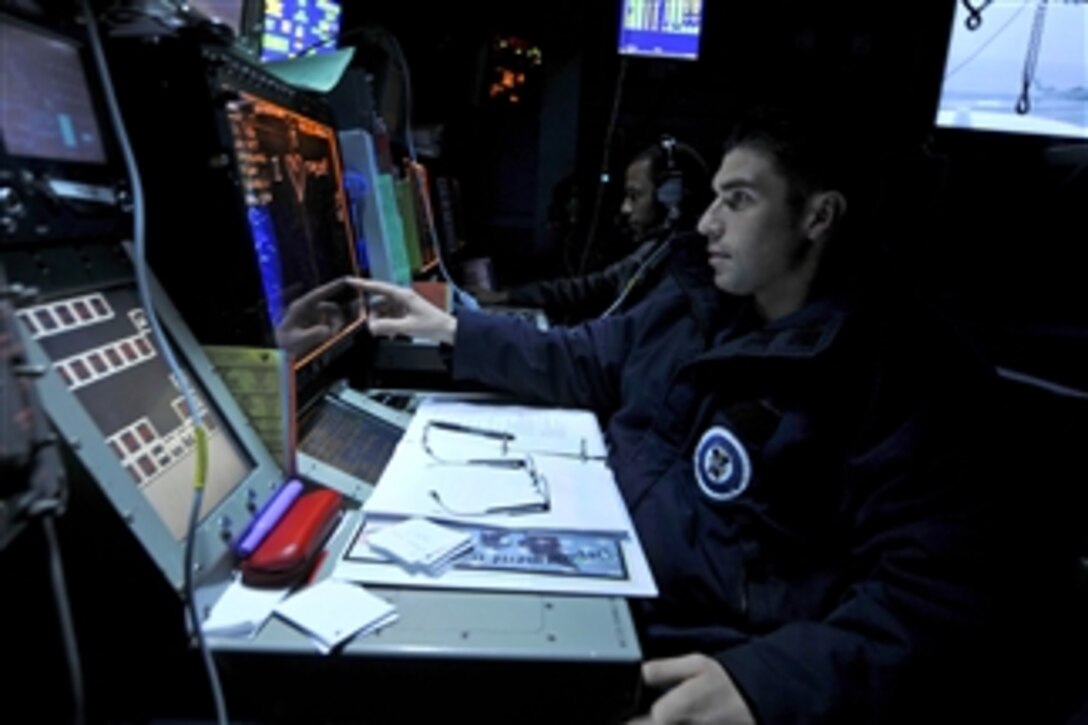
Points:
[1018,66]
[661,28]
[46,111]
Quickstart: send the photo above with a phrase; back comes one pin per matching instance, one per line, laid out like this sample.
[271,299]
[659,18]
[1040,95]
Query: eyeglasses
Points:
[497,495]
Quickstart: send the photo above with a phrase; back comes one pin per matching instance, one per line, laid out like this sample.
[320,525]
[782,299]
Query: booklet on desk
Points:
[514,560]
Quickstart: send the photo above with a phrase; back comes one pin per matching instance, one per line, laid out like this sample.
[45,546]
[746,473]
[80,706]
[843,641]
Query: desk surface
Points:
[478,625]
[575,658]
[481,655]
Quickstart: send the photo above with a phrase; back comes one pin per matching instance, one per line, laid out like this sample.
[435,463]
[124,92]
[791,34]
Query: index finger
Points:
[668,672]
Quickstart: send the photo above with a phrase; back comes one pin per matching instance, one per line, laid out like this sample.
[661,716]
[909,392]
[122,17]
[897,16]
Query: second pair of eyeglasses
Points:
[522,463]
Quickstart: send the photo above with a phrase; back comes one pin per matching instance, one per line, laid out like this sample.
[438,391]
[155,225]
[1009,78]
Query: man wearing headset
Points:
[664,192]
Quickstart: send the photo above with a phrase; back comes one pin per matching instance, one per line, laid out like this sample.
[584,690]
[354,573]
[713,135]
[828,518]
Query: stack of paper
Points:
[421,545]
[331,612]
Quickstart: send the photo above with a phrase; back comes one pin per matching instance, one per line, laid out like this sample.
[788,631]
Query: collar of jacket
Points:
[807,333]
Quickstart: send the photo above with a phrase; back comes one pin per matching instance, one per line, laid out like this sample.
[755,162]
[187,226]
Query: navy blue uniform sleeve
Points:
[923,597]
[571,366]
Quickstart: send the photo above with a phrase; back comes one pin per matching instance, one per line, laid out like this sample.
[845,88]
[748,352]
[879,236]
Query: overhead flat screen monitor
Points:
[1018,66]
[661,28]
[293,27]
[296,207]
[46,110]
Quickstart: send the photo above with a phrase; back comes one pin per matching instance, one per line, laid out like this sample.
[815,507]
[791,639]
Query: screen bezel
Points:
[955,21]
[28,173]
[88,170]
[212,551]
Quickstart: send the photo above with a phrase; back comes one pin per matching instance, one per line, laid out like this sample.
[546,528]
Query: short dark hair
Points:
[813,153]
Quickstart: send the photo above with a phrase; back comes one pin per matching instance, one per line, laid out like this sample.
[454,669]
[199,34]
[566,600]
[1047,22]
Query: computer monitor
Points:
[58,170]
[111,396]
[992,51]
[296,207]
[298,27]
[661,28]
[46,110]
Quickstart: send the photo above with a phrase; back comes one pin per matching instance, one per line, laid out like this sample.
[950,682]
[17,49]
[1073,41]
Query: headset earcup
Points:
[671,195]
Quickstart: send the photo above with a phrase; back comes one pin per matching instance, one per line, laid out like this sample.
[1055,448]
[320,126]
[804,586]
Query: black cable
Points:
[64,614]
[1031,60]
[635,279]
[605,162]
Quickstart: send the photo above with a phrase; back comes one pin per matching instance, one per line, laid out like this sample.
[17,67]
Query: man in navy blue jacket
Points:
[796,453]
[664,193]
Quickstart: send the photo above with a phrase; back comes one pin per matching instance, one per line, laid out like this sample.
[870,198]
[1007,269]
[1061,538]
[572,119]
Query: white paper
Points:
[331,612]
[538,431]
[583,496]
[241,611]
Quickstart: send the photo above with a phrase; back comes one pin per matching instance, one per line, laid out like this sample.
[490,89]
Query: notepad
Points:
[421,545]
[331,612]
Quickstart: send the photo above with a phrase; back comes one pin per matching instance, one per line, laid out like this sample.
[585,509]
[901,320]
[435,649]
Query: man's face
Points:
[756,242]
[639,206]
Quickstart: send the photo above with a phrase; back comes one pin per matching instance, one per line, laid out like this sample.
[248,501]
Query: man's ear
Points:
[823,214]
